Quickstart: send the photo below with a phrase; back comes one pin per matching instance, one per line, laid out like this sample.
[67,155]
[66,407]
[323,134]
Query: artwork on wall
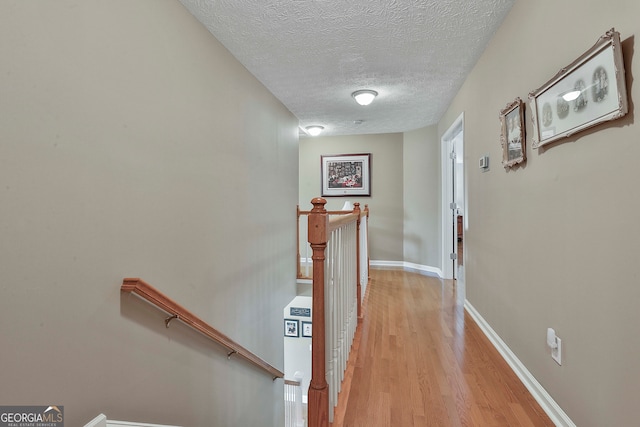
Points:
[512,136]
[306,329]
[589,91]
[291,328]
[346,175]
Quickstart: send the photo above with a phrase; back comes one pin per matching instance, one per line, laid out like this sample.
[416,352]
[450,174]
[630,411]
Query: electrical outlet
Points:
[556,353]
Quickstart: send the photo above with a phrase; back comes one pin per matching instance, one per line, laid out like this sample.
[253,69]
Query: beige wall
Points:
[554,243]
[386,201]
[134,145]
[126,152]
[422,212]
[405,202]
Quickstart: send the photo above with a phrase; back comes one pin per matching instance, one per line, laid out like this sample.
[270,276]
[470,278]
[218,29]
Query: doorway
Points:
[454,218]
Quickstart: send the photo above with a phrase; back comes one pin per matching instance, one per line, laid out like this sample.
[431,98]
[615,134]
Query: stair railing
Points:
[337,252]
[293,415]
[303,260]
[177,312]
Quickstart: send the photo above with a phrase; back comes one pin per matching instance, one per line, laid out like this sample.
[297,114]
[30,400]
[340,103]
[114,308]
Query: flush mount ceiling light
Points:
[364,96]
[314,130]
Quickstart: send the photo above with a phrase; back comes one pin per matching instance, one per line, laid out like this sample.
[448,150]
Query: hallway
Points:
[420,360]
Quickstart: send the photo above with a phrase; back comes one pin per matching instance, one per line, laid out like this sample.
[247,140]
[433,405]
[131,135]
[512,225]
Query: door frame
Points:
[447,226]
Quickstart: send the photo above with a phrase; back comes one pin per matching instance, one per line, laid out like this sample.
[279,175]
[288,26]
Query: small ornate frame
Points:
[512,135]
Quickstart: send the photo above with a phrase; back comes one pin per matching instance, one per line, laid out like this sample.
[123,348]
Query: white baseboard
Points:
[102,421]
[553,410]
[386,264]
[409,266]
[423,269]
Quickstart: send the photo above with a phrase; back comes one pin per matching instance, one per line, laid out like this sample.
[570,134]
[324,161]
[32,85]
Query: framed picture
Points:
[306,329]
[346,175]
[512,135]
[291,328]
[587,92]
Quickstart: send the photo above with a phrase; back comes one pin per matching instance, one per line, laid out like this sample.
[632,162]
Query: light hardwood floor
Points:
[420,360]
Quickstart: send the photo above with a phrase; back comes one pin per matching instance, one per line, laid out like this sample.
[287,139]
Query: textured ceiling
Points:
[312,54]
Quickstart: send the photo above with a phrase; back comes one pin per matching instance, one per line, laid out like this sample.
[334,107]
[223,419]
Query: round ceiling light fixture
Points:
[364,96]
[314,130]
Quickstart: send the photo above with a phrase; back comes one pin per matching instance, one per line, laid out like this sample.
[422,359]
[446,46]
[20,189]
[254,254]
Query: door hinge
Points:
[453,206]
[453,256]
[452,155]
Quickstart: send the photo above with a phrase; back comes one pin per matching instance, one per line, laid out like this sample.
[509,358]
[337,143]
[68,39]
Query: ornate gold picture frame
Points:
[587,92]
[512,135]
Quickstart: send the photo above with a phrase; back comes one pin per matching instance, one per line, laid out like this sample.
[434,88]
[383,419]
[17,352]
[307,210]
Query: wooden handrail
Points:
[331,212]
[157,298]
[333,225]
[336,222]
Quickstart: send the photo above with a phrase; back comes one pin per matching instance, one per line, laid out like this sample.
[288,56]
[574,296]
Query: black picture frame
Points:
[291,328]
[345,175]
[306,329]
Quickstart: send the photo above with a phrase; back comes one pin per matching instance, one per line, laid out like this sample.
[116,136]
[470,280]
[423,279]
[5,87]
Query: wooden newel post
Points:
[356,209]
[318,404]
